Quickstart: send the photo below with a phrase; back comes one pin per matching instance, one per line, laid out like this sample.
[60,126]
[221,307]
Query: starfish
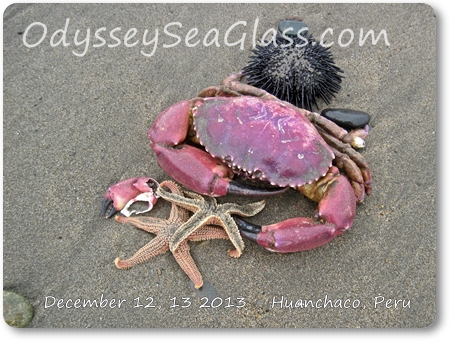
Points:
[208,212]
[164,229]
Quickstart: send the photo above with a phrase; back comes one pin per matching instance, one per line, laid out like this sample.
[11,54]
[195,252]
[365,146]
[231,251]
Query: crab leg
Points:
[336,212]
[232,86]
[191,166]
[354,138]
[355,174]
[234,82]
[350,160]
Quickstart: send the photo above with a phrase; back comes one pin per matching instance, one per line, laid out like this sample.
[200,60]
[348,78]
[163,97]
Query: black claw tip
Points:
[236,188]
[247,229]
[105,204]
[112,212]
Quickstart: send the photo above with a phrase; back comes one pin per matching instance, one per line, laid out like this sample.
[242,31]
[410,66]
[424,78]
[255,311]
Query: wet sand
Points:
[75,121]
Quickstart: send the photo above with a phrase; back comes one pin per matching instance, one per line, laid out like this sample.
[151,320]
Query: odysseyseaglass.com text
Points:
[174,33]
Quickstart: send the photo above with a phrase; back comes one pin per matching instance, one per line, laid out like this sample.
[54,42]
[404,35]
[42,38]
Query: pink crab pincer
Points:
[203,143]
[122,195]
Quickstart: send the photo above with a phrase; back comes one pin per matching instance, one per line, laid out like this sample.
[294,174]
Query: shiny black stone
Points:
[346,118]
[296,26]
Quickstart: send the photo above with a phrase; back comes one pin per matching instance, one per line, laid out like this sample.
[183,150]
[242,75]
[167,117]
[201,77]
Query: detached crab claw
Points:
[122,195]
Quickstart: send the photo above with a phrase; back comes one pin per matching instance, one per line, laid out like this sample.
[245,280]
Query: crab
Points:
[236,131]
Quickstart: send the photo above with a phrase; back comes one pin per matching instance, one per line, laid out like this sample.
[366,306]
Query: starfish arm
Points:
[149,224]
[187,263]
[208,233]
[177,214]
[243,210]
[190,226]
[233,233]
[158,245]
[186,203]
[194,195]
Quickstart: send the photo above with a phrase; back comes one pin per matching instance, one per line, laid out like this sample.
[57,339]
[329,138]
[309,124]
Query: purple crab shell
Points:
[268,139]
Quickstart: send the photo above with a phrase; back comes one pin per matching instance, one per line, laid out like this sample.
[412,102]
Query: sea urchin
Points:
[295,69]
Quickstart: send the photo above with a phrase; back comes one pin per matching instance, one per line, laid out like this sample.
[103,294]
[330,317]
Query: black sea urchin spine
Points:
[296,70]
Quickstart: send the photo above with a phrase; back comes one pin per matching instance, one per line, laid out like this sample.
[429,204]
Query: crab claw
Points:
[335,214]
[148,197]
[121,195]
[292,235]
